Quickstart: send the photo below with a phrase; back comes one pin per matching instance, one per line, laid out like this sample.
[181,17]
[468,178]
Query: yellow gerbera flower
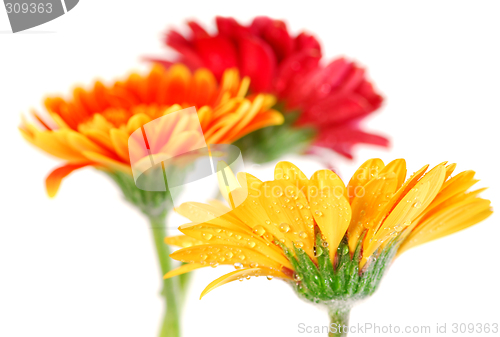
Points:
[332,242]
[93,127]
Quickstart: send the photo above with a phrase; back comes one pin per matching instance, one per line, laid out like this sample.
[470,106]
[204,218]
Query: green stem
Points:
[339,321]
[171,321]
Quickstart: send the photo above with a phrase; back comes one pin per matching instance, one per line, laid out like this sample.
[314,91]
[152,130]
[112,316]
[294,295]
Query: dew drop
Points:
[417,204]
[229,255]
[318,251]
[269,277]
[238,265]
[254,265]
[284,227]
[318,213]
[259,230]
[297,277]
[302,235]
[298,244]
[207,236]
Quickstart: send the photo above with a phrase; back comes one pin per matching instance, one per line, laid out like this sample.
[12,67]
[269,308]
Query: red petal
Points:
[217,54]
[304,41]
[198,31]
[257,61]
[341,139]
[275,33]
[186,48]
[292,72]
[229,27]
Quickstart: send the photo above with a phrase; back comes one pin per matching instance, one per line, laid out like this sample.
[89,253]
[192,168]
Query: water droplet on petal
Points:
[284,227]
[259,230]
[238,265]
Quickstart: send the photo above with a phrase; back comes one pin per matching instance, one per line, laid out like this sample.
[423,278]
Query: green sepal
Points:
[341,281]
[272,142]
[154,204]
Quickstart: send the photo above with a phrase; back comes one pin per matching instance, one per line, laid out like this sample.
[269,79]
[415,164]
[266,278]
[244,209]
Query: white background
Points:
[83,264]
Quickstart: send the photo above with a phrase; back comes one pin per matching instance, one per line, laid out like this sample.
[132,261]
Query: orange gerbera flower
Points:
[93,127]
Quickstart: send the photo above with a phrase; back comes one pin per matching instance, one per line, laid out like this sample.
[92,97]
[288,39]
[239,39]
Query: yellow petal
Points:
[212,234]
[327,179]
[240,274]
[200,213]
[183,241]
[227,183]
[288,215]
[398,166]
[330,208]
[411,205]
[367,171]
[449,220]
[285,170]
[367,206]
[224,254]
[185,268]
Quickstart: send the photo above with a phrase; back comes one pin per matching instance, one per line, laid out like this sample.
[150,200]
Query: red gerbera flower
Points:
[331,98]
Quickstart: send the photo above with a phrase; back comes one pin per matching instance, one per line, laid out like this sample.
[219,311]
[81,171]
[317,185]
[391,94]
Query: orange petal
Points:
[54,179]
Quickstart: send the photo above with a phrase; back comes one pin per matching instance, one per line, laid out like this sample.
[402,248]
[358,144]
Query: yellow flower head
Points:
[93,127]
[330,240]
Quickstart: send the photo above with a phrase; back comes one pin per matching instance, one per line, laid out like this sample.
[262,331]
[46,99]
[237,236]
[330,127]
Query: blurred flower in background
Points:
[331,242]
[323,103]
[93,127]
